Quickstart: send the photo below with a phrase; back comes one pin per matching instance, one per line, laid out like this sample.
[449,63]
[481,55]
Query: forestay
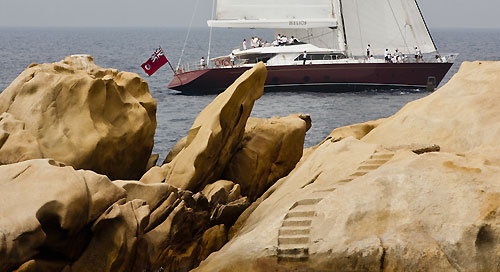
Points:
[385,24]
[295,14]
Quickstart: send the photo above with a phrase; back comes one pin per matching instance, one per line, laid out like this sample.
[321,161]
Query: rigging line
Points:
[210,37]
[426,27]
[359,27]
[399,28]
[187,35]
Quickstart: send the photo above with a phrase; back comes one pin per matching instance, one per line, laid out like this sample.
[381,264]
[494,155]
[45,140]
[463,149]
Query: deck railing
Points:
[222,63]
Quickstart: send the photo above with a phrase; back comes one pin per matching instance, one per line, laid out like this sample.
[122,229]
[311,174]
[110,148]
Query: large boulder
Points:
[270,149]
[16,143]
[389,201]
[461,116]
[117,240]
[46,205]
[84,116]
[216,133]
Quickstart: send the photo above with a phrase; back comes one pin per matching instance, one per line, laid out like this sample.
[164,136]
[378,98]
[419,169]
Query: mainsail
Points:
[285,14]
[385,24]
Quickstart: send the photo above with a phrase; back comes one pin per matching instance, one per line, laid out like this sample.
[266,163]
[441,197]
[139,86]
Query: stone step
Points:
[293,251]
[359,174]
[369,167]
[374,162]
[300,240]
[294,231]
[297,223]
[384,156]
[312,201]
[292,214]
[346,180]
[325,190]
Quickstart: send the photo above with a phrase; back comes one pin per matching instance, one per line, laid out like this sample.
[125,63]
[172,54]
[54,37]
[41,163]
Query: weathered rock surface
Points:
[116,239]
[84,116]
[219,192]
[44,204]
[269,150]
[215,134]
[16,143]
[375,205]
[461,116]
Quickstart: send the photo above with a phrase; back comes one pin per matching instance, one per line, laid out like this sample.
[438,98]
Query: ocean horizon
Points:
[127,48]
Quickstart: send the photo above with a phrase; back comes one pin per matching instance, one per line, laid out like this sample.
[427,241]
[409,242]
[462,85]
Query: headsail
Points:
[284,14]
[385,24]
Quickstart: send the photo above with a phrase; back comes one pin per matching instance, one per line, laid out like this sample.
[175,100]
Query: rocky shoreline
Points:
[80,189]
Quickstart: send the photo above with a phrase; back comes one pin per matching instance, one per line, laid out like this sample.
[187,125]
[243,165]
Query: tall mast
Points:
[210,37]
[426,27]
[345,47]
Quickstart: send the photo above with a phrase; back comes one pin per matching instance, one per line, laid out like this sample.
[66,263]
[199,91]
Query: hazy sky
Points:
[175,13]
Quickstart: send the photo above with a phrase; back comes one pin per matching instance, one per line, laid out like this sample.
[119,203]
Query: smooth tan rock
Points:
[270,150]
[175,150]
[216,132]
[219,190]
[228,213]
[174,243]
[357,131]
[375,205]
[85,116]
[212,240]
[461,116]
[115,238]
[16,143]
[154,175]
[46,204]
[152,194]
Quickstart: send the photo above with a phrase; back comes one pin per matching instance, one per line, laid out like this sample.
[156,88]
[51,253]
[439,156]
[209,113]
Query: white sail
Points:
[385,24]
[294,14]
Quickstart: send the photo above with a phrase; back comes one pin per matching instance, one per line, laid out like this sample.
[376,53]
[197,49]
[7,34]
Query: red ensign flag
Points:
[154,63]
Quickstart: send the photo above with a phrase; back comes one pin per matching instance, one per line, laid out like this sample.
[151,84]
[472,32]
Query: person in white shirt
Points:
[386,55]
[304,55]
[256,42]
[368,51]
[232,56]
[283,40]
[244,44]
[275,43]
[203,64]
[418,54]
[397,56]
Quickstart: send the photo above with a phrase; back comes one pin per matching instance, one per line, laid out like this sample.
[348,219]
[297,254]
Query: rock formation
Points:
[269,151]
[215,133]
[389,201]
[46,207]
[80,114]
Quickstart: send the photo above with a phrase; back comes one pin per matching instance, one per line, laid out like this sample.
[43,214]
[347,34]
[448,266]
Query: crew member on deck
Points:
[387,55]
[418,54]
[256,42]
[244,44]
[203,64]
[368,51]
[232,59]
[305,57]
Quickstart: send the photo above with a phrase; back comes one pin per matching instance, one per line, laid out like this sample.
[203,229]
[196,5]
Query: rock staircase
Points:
[295,230]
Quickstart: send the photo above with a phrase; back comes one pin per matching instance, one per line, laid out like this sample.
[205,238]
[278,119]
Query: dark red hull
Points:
[318,77]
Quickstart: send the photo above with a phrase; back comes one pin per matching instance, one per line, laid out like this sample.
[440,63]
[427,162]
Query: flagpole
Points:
[175,73]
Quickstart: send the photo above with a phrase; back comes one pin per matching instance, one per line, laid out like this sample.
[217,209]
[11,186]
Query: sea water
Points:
[127,48]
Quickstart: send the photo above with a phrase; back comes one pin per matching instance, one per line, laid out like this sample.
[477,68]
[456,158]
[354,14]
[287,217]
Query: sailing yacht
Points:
[335,35]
